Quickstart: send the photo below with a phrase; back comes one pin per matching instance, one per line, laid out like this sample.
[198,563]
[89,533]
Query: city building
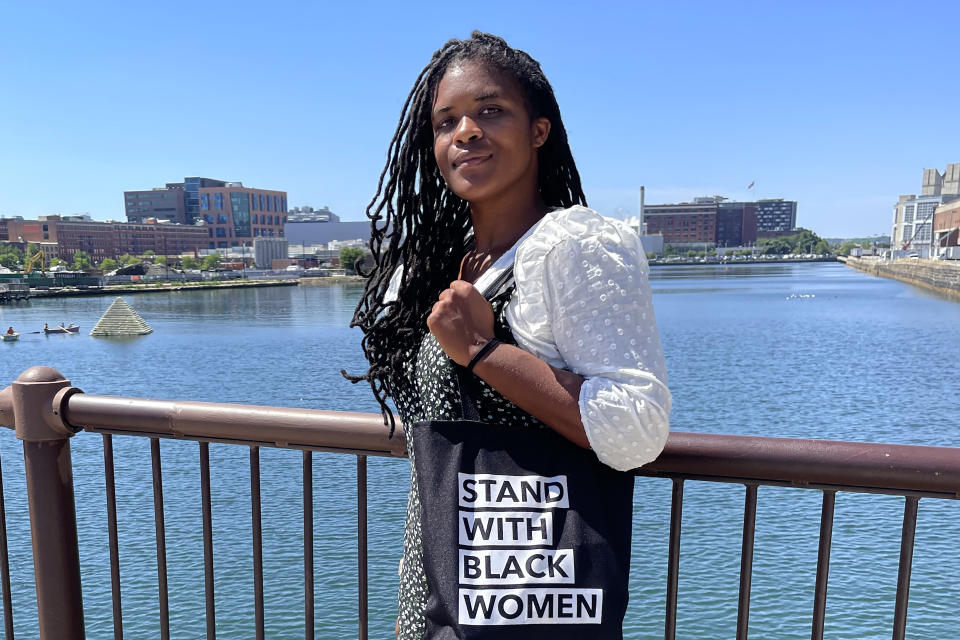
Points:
[309,232]
[736,224]
[234,214]
[164,203]
[100,240]
[715,221]
[266,250]
[309,214]
[684,223]
[776,215]
[912,229]
[946,225]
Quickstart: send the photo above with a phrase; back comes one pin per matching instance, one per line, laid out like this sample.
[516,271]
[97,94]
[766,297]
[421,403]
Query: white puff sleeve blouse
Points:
[582,303]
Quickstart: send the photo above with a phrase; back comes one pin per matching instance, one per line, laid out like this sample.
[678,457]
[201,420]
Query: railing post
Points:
[38,397]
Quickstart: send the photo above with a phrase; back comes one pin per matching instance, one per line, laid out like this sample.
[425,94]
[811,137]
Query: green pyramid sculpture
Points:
[121,320]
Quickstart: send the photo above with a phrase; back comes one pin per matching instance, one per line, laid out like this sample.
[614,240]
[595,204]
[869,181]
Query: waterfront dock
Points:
[159,287]
[14,291]
[941,276]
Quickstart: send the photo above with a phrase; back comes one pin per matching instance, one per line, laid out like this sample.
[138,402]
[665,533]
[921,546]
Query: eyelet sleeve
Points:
[583,303]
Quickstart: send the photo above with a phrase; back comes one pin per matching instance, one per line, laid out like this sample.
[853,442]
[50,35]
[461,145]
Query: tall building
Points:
[776,215]
[234,214]
[912,229]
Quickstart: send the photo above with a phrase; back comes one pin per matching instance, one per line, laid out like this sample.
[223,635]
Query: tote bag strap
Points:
[468,405]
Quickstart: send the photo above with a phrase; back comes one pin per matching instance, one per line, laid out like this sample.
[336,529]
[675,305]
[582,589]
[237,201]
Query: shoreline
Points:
[156,288]
[933,275]
[695,262]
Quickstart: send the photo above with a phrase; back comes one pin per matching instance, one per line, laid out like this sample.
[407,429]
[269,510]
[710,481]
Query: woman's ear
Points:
[540,131]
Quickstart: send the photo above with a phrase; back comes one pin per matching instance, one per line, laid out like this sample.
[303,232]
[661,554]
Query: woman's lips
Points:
[470,162]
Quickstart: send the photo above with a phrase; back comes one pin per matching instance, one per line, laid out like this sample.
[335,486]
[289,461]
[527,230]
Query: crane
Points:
[32,260]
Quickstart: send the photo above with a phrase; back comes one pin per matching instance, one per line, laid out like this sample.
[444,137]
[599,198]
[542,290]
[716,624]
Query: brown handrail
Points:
[46,411]
[865,466]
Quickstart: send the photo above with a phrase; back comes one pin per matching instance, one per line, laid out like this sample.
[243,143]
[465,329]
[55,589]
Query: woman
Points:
[480,177]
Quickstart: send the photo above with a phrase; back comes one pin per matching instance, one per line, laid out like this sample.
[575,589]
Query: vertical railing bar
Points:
[161,538]
[673,561]
[362,544]
[207,540]
[255,514]
[823,564]
[308,614]
[111,487]
[746,561]
[906,566]
[5,567]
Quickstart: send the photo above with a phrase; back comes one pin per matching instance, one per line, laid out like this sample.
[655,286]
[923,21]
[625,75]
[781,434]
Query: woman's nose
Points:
[467,130]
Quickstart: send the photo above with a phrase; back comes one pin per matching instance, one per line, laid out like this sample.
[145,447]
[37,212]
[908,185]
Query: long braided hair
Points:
[417,222]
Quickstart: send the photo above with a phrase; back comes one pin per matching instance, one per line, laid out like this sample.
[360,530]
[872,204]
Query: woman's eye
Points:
[489,110]
[443,124]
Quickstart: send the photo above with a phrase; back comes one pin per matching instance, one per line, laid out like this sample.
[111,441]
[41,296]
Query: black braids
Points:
[416,222]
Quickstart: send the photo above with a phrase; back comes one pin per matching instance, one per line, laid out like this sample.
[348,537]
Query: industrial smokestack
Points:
[642,226]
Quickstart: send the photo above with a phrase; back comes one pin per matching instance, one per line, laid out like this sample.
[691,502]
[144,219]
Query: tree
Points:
[81,261]
[211,262]
[160,260]
[9,260]
[148,254]
[188,263]
[349,257]
[127,260]
[56,262]
[847,247]
[108,264]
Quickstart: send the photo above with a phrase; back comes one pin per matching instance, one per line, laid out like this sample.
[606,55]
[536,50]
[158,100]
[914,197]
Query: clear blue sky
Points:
[839,106]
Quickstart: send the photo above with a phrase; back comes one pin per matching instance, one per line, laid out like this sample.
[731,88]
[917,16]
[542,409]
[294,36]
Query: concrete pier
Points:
[936,275]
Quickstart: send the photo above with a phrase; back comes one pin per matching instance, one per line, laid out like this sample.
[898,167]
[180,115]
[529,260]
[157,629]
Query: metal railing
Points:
[46,411]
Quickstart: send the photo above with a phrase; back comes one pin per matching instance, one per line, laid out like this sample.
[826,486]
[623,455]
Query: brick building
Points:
[714,221]
[234,214]
[106,239]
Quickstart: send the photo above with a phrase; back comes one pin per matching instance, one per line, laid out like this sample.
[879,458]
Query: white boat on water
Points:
[10,337]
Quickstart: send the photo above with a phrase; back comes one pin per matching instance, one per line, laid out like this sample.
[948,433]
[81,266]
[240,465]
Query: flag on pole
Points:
[750,186]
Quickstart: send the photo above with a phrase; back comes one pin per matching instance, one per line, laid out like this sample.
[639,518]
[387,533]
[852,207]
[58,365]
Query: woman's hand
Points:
[462,321]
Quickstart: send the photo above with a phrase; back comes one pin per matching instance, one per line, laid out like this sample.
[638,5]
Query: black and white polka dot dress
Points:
[429,391]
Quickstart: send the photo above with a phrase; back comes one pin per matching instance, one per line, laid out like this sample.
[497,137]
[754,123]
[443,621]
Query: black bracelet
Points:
[487,348]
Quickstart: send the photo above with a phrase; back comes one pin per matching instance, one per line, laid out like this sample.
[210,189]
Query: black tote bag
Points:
[525,535]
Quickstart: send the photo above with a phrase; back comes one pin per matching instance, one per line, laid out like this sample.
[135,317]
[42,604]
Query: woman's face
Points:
[485,143]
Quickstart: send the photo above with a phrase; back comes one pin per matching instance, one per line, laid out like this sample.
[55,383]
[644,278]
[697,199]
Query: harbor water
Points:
[792,350]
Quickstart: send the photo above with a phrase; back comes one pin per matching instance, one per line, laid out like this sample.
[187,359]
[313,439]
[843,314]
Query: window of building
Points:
[276,203]
[205,202]
[221,233]
[261,202]
[253,201]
